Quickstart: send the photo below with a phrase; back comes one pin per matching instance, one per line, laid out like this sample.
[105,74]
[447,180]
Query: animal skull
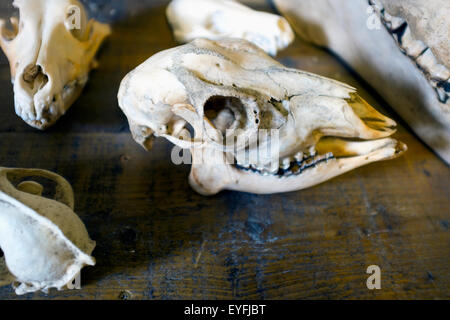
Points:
[214,19]
[400,47]
[51,51]
[231,88]
[44,242]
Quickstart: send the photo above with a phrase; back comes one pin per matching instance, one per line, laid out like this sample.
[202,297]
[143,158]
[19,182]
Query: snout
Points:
[319,116]
[39,100]
[28,83]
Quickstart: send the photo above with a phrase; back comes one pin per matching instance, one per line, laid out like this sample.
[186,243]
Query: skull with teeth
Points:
[51,51]
[230,90]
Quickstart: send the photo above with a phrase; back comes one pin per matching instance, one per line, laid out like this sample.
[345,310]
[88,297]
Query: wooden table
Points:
[158,239]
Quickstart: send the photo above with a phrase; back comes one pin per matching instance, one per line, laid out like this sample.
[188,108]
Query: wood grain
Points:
[158,239]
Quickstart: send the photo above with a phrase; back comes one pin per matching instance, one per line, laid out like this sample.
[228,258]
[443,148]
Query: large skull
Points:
[215,19]
[232,88]
[400,47]
[51,51]
[45,244]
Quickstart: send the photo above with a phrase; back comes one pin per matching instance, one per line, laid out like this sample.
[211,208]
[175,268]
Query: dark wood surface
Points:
[158,239]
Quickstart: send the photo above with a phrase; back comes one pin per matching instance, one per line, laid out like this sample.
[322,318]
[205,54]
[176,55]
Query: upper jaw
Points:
[43,108]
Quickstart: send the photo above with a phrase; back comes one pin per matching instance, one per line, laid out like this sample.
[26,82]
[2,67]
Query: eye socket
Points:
[76,22]
[11,29]
[222,111]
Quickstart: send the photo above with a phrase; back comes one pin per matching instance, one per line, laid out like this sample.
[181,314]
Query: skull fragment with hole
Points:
[45,244]
[215,19]
[231,88]
[51,50]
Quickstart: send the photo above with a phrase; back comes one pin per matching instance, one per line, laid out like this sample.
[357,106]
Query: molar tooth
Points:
[299,156]
[286,163]
[273,168]
[242,164]
[412,46]
[312,151]
[396,22]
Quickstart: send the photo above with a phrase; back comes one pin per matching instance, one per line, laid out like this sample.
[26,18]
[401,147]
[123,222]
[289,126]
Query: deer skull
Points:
[231,88]
[44,242]
[51,51]
[214,19]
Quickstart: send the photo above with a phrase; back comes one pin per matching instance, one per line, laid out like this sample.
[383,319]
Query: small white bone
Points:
[214,19]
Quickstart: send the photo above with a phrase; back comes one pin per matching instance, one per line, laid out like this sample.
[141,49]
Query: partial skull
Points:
[400,47]
[215,19]
[51,50]
[45,244]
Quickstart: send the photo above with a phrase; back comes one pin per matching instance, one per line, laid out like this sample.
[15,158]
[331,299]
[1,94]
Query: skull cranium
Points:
[231,88]
[51,51]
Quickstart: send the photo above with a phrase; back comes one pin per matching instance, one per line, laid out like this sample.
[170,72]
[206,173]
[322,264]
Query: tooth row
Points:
[299,156]
[289,166]
[417,50]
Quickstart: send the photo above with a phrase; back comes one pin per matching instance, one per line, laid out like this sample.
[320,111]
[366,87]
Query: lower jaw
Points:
[251,182]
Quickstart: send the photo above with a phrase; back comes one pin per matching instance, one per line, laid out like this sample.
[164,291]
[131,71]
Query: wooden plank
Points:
[158,239]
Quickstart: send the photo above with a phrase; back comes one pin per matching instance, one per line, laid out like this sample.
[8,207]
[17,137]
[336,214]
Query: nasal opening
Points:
[34,78]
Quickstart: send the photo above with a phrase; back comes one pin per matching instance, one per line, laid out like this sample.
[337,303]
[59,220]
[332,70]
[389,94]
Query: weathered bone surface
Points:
[214,19]
[400,47]
[44,242]
[231,88]
[51,51]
